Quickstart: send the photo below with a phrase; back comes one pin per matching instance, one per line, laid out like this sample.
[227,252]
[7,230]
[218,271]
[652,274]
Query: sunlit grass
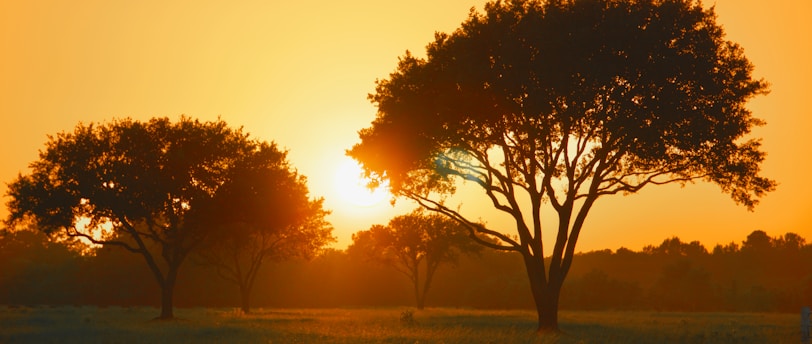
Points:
[199,325]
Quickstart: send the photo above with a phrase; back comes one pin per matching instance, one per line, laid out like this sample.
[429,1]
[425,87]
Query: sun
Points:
[351,185]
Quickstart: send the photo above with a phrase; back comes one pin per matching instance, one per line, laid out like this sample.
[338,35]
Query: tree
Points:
[683,287]
[32,265]
[757,242]
[558,103]
[597,290]
[413,240]
[130,184]
[675,247]
[789,242]
[261,212]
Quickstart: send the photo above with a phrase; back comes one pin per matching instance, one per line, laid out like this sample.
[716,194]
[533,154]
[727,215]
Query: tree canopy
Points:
[261,212]
[132,184]
[558,103]
[412,241]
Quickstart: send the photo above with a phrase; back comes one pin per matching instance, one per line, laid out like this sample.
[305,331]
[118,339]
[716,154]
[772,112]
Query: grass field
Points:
[199,325]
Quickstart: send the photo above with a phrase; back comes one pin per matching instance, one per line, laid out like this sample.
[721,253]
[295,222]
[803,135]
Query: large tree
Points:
[558,103]
[412,241]
[131,184]
[261,212]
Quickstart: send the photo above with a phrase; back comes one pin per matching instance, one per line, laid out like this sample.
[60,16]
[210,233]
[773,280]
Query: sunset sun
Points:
[350,186]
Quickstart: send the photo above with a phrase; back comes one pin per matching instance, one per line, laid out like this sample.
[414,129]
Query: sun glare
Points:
[99,233]
[351,186]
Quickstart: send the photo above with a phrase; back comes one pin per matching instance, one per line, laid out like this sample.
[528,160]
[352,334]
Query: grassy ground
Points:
[133,325]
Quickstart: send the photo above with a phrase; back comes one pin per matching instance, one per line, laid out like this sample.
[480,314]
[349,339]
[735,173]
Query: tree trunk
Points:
[420,303]
[545,294]
[167,292]
[166,301]
[416,282]
[418,299]
[430,269]
[547,309]
[245,299]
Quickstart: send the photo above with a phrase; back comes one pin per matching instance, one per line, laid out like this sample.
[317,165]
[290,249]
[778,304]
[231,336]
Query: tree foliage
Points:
[36,271]
[411,241]
[261,212]
[558,103]
[131,184]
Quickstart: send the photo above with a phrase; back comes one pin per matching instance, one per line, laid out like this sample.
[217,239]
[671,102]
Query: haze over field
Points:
[300,75]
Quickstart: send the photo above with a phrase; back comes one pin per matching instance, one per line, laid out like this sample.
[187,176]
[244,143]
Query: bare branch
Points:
[473,227]
[618,184]
[75,233]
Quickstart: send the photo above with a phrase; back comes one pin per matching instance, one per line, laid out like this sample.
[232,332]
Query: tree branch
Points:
[75,233]
[617,184]
[473,227]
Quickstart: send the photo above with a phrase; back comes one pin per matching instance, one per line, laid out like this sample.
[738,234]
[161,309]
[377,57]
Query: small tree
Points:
[558,103]
[411,241]
[262,212]
[130,184]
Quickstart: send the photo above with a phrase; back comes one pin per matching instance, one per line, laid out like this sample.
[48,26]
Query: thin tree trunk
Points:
[418,299]
[427,283]
[245,298]
[247,284]
[167,284]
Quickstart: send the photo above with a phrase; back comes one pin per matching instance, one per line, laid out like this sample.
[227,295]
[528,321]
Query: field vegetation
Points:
[384,325]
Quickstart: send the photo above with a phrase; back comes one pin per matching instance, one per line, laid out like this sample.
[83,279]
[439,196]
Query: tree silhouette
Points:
[130,184]
[675,247]
[558,103]
[597,290]
[411,241]
[32,265]
[261,212]
[683,287]
[758,242]
[791,242]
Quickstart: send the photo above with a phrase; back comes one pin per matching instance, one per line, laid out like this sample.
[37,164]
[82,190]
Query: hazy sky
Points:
[299,73]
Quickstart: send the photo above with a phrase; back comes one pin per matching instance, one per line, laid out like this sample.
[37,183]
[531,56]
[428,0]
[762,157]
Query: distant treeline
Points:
[762,274]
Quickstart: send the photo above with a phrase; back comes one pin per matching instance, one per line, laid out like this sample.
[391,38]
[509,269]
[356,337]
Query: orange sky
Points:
[299,75]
